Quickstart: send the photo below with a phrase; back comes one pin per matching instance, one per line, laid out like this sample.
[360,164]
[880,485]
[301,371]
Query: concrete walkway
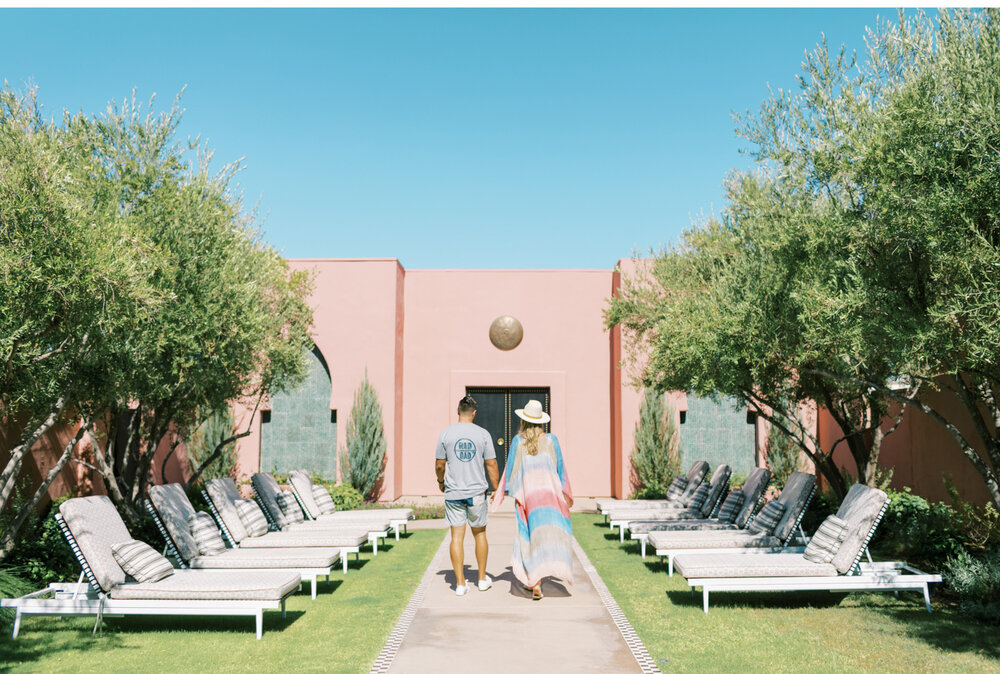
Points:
[574,628]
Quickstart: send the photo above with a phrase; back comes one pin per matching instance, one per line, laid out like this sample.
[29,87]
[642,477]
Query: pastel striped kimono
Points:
[543,543]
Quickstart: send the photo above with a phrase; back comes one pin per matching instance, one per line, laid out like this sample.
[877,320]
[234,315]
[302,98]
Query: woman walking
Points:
[536,478]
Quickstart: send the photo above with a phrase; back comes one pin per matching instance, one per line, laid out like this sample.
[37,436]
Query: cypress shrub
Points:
[203,442]
[656,457]
[363,461]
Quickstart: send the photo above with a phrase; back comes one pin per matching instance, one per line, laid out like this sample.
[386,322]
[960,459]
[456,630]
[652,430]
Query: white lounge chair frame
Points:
[395,524]
[310,574]
[872,576]
[87,599]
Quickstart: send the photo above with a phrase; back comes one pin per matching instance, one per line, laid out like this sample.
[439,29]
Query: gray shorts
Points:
[459,512]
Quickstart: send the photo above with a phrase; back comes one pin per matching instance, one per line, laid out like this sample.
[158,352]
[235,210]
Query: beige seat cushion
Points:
[326,538]
[269,558]
[739,538]
[765,565]
[187,584]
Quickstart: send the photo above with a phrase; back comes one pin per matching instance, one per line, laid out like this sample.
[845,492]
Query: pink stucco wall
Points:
[358,326]
[565,347]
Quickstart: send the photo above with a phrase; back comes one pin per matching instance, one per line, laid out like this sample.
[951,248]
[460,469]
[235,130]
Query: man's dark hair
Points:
[467,404]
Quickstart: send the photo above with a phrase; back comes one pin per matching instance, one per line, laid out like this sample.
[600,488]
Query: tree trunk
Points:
[28,438]
[10,535]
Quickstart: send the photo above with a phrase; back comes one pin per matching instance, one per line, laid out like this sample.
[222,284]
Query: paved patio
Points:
[574,628]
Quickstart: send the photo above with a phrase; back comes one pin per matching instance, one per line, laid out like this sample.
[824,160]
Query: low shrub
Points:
[975,579]
[646,493]
[11,585]
[345,496]
[916,530]
[41,555]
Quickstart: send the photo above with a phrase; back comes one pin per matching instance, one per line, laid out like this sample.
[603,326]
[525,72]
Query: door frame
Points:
[554,380]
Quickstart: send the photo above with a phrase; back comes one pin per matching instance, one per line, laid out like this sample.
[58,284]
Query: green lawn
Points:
[786,631]
[342,631]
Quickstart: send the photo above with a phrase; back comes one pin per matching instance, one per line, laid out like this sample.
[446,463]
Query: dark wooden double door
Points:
[495,413]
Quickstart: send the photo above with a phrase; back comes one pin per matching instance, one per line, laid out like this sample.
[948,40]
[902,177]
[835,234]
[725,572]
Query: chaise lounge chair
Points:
[695,475]
[286,511]
[222,497]
[305,491]
[831,561]
[172,513]
[772,530]
[736,512]
[692,496]
[94,529]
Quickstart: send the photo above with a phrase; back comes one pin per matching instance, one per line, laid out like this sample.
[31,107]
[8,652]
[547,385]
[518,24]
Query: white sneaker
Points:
[485,584]
[460,590]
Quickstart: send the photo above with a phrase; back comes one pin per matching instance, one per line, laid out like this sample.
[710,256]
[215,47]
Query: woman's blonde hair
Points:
[530,432]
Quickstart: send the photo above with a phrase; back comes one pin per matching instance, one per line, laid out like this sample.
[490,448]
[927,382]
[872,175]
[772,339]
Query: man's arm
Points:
[439,465]
[493,472]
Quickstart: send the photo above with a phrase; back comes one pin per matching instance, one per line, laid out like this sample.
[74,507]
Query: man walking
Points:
[464,455]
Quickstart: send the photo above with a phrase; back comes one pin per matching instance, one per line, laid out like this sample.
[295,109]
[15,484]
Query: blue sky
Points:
[451,138]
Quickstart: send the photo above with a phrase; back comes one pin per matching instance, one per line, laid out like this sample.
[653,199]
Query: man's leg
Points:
[482,550]
[458,553]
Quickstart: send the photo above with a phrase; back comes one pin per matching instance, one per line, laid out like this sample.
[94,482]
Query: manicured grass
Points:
[782,631]
[342,631]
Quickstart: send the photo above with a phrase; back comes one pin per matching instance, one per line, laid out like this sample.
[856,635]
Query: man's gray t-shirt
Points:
[466,447]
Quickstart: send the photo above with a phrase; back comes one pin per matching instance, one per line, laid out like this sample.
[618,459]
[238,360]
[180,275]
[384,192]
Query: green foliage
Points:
[656,455]
[345,496]
[43,556]
[203,441]
[917,530]
[782,455]
[11,585]
[980,526]
[976,581]
[862,247]
[363,461]
[137,291]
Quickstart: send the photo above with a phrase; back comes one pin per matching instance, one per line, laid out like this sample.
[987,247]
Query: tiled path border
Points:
[392,644]
[635,644]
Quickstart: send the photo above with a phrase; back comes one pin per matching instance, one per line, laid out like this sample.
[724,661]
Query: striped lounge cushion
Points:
[767,519]
[290,507]
[251,517]
[205,534]
[677,488]
[700,496]
[826,541]
[731,506]
[140,561]
[323,500]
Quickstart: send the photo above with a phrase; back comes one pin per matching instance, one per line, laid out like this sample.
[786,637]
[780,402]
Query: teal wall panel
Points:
[718,432]
[301,433]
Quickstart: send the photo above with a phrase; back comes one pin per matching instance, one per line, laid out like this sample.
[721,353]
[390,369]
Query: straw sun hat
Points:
[533,413]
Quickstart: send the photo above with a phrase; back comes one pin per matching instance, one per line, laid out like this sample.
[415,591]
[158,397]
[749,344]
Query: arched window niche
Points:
[301,431]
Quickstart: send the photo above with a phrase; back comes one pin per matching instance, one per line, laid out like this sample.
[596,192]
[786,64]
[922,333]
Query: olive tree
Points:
[73,283]
[234,321]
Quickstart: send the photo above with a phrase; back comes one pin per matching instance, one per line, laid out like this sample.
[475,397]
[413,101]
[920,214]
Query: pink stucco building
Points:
[423,338]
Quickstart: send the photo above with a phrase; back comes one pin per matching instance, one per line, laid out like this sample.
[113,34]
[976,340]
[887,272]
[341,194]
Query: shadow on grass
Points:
[945,628]
[323,586]
[42,637]
[763,600]
[355,564]
[37,640]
